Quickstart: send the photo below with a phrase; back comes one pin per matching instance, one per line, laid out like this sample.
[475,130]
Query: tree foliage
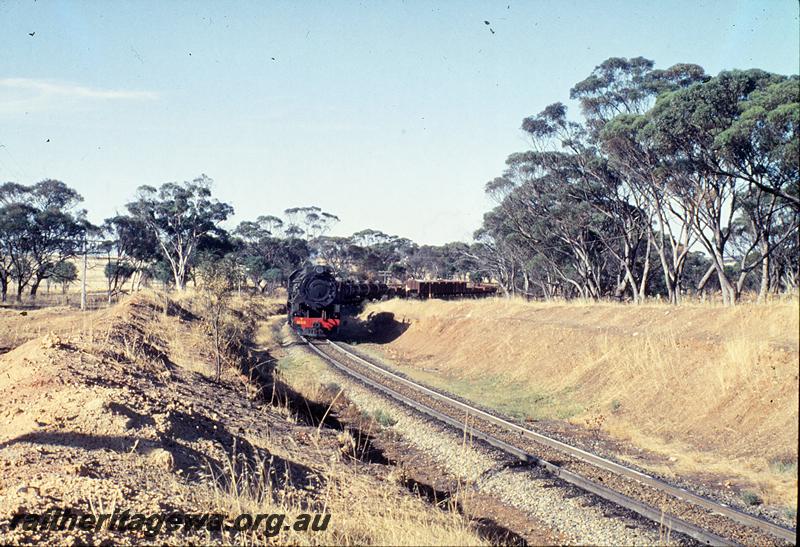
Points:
[663,162]
[40,228]
[179,216]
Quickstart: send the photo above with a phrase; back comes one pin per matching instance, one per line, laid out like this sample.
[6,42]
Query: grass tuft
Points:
[784,467]
[751,498]
[384,418]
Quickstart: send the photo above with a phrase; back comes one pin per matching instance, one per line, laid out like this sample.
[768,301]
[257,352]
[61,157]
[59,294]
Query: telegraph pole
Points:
[83,274]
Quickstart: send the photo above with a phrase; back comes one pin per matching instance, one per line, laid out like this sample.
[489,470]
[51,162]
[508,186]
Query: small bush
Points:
[384,418]
[616,406]
[784,467]
[751,498]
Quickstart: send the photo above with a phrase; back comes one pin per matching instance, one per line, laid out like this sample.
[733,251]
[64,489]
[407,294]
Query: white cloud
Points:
[17,94]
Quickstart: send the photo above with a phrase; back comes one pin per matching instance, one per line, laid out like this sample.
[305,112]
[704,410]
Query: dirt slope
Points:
[121,415]
[714,390]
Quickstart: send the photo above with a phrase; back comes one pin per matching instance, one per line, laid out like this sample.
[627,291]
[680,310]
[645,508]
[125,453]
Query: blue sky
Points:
[391,115]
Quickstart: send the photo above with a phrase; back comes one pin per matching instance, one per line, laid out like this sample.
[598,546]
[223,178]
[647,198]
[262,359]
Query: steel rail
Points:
[657,516]
[598,461]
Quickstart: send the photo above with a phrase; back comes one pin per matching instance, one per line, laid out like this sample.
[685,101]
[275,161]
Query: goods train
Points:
[317,299]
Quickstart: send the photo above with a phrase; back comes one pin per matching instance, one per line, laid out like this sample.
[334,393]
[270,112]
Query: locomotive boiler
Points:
[317,299]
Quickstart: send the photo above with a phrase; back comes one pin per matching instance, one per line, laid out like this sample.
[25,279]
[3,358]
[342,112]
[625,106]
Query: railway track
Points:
[674,508]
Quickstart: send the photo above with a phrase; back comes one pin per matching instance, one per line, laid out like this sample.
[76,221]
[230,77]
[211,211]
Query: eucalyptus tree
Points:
[700,126]
[785,269]
[375,253]
[130,248]
[761,145]
[618,219]
[179,216]
[662,161]
[40,228]
[562,188]
[5,266]
[340,253]
[63,273]
[541,210]
[656,181]
[369,237]
[615,99]
[267,252]
[17,221]
[263,226]
[424,261]
[311,222]
[498,258]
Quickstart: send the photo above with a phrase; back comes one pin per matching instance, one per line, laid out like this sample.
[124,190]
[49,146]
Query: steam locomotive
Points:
[317,299]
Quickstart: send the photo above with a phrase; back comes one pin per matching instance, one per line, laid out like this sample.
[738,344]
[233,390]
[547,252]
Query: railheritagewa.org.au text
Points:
[151,525]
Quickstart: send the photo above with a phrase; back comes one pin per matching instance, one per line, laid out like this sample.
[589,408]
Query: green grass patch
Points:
[382,417]
[751,498]
[497,393]
[288,365]
[298,366]
[783,467]
[520,402]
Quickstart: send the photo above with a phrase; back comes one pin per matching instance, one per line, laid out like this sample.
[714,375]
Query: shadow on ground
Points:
[379,328]
[261,370]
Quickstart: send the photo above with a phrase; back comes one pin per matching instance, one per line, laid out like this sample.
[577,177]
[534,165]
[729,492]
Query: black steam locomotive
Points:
[317,299]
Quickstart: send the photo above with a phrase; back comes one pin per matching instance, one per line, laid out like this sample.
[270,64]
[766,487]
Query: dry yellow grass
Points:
[712,389]
[362,511]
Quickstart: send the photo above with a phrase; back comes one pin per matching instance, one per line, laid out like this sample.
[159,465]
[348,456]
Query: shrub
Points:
[783,466]
[384,418]
[751,498]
